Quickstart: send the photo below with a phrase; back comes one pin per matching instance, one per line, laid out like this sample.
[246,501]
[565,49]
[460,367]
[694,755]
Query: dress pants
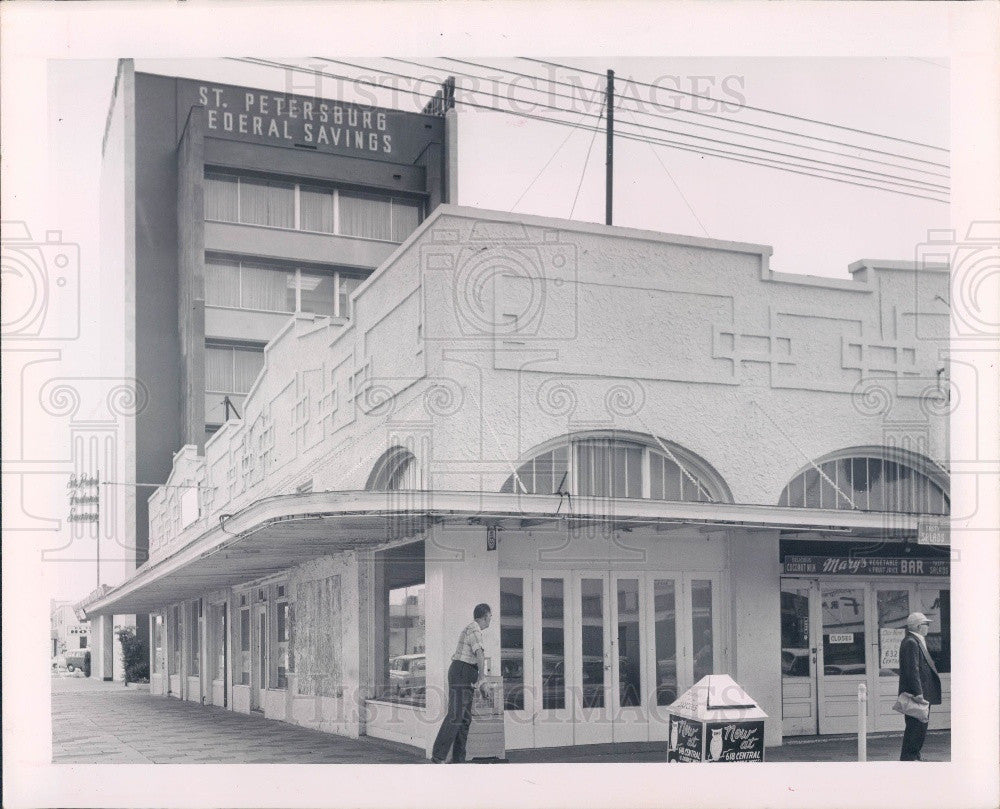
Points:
[913,739]
[455,729]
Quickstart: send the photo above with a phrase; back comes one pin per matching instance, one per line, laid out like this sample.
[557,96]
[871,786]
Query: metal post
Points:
[97,489]
[862,722]
[610,162]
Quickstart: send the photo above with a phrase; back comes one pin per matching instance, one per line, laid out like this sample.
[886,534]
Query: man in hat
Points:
[917,676]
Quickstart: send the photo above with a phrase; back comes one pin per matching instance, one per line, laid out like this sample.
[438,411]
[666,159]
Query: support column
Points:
[102,656]
[460,573]
[755,585]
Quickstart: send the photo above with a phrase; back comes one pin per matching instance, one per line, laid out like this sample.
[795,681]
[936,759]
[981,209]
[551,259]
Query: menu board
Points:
[734,741]
[686,738]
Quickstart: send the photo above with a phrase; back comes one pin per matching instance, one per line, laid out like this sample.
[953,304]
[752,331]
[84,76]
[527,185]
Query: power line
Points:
[908,181]
[701,113]
[586,162]
[757,109]
[749,159]
[572,132]
[671,176]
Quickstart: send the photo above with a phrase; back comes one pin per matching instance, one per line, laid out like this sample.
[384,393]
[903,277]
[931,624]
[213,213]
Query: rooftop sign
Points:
[283,119]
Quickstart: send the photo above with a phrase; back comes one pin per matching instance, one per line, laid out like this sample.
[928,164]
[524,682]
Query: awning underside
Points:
[278,533]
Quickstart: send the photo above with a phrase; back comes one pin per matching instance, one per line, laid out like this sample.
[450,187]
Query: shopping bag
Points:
[907,704]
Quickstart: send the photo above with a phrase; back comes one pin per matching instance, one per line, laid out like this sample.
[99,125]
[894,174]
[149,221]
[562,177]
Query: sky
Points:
[514,162]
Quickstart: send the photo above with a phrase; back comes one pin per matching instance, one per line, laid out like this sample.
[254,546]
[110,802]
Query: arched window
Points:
[617,465]
[875,479]
[396,470]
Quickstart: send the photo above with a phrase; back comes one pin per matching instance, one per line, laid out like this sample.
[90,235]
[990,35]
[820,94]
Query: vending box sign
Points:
[716,720]
[686,738]
[734,741]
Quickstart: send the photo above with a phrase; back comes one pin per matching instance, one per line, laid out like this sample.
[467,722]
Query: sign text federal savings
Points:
[289,118]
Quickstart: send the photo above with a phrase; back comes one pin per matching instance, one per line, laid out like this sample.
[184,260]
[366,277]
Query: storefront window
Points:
[175,641]
[893,606]
[512,642]
[157,644]
[404,676]
[936,605]
[194,639]
[795,647]
[843,631]
[244,656]
[283,634]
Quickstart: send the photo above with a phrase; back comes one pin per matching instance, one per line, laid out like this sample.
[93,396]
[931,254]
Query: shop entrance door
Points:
[259,657]
[843,653]
[800,617]
[592,657]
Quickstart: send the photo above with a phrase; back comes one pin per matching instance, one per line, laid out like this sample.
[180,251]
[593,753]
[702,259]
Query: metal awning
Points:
[276,533]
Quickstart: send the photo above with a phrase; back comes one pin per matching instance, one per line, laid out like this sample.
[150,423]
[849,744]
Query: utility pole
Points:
[610,162]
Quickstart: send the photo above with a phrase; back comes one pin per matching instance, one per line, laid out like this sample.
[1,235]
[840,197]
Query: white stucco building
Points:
[654,457]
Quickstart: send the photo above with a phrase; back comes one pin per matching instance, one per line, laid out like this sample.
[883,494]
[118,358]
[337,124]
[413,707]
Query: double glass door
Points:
[592,657]
[836,635]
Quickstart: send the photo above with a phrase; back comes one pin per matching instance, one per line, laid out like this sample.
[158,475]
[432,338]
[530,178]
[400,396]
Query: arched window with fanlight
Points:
[628,465]
[395,470]
[874,479]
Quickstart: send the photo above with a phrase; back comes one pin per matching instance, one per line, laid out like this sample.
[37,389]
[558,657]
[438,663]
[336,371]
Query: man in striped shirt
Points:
[466,673]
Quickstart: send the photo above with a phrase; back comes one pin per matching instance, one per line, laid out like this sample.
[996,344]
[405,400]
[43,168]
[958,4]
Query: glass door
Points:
[799,603]
[843,655]
[629,675]
[516,669]
[553,703]
[591,675]
[665,644]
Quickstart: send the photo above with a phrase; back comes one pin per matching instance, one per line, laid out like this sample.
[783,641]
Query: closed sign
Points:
[842,637]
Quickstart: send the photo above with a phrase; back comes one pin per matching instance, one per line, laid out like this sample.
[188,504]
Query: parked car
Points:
[79,659]
[408,675]
[59,661]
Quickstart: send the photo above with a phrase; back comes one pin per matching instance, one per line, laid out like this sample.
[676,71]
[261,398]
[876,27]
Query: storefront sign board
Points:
[865,566]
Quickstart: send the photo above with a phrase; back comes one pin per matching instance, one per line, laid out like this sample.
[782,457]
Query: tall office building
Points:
[226,209]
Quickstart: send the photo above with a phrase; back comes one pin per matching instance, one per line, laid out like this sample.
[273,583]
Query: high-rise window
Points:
[284,204]
[263,287]
[229,369]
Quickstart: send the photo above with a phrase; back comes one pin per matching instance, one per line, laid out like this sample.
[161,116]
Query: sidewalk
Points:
[95,722]
[881,747]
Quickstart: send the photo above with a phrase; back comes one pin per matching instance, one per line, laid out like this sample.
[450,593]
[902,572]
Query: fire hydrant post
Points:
[862,722]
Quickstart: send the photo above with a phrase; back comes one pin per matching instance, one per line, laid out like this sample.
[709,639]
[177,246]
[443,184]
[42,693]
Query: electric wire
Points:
[911,182]
[541,171]
[748,159]
[586,164]
[756,109]
[700,113]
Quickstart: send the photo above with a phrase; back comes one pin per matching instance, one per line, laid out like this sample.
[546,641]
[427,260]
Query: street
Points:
[107,723]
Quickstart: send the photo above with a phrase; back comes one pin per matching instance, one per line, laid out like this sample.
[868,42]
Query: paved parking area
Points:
[94,722]
[106,723]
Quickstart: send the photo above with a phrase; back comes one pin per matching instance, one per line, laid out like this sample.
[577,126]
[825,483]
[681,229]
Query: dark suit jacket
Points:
[917,673]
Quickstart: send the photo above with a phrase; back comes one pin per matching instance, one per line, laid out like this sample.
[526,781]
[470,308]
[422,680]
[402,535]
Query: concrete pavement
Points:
[106,723]
[94,722]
